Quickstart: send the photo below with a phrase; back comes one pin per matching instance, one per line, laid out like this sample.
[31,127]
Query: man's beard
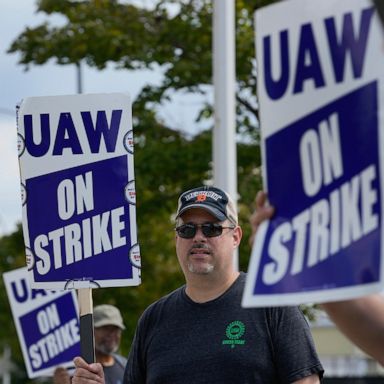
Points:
[106,349]
[201,268]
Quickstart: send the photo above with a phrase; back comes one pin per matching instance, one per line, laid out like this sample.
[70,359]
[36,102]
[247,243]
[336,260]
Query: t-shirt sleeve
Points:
[294,350]
[135,368]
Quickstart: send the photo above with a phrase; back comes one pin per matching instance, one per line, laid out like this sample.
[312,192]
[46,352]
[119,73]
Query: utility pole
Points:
[79,77]
[224,80]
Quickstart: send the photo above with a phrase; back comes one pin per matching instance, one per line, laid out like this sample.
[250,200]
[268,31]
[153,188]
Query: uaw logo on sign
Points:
[47,324]
[78,191]
[320,79]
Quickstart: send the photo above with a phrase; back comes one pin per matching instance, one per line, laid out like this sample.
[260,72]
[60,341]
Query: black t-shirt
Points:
[180,341]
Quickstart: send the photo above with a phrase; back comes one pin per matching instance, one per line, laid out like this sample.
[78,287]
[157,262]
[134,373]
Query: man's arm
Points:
[362,321]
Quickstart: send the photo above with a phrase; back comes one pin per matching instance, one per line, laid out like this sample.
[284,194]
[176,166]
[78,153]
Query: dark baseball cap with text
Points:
[212,199]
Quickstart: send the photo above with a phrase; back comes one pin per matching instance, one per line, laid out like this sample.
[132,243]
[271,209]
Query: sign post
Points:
[87,342]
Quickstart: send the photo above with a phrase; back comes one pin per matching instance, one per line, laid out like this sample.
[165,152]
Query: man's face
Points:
[107,339]
[206,255]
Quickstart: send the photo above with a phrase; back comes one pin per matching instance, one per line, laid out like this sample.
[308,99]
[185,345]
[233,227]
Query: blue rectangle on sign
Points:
[83,232]
[51,333]
[329,234]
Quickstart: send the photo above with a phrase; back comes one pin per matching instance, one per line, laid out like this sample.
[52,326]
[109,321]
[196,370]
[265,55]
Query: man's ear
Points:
[237,235]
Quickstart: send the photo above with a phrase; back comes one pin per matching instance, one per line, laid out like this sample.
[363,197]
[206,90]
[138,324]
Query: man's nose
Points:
[199,235]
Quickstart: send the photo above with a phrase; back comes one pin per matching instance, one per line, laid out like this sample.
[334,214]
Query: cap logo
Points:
[202,196]
[213,199]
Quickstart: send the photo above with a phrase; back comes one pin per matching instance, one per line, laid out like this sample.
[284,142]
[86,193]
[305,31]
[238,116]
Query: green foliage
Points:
[12,256]
[175,35]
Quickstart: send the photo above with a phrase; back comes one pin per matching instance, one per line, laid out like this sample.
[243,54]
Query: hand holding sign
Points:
[87,373]
[263,211]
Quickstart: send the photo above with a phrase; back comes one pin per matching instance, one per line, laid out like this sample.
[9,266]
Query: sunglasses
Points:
[188,231]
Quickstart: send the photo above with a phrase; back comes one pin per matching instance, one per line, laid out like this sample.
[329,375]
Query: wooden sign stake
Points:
[87,340]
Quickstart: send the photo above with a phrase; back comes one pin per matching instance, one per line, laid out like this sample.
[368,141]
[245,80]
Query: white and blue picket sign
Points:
[320,82]
[47,324]
[78,191]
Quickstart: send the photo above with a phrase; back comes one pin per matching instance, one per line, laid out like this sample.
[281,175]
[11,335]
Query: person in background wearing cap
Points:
[108,326]
[200,333]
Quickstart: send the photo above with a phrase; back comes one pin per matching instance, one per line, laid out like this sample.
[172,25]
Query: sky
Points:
[51,79]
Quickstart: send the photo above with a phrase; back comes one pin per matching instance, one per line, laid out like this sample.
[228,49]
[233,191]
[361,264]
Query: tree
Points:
[175,35]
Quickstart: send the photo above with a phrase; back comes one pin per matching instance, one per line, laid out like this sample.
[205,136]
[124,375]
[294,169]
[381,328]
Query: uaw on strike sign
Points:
[320,86]
[47,324]
[78,191]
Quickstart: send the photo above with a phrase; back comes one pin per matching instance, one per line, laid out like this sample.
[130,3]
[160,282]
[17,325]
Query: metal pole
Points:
[224,133]
[79,78]
[7,365]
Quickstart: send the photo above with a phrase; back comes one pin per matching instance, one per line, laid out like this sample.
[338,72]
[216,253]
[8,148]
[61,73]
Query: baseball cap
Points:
[212,199]
[107,314]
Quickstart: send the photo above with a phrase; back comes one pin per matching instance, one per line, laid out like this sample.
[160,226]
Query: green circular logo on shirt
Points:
[235,330]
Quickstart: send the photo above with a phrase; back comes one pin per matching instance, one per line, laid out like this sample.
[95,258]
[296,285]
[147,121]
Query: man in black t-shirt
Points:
[200,333]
